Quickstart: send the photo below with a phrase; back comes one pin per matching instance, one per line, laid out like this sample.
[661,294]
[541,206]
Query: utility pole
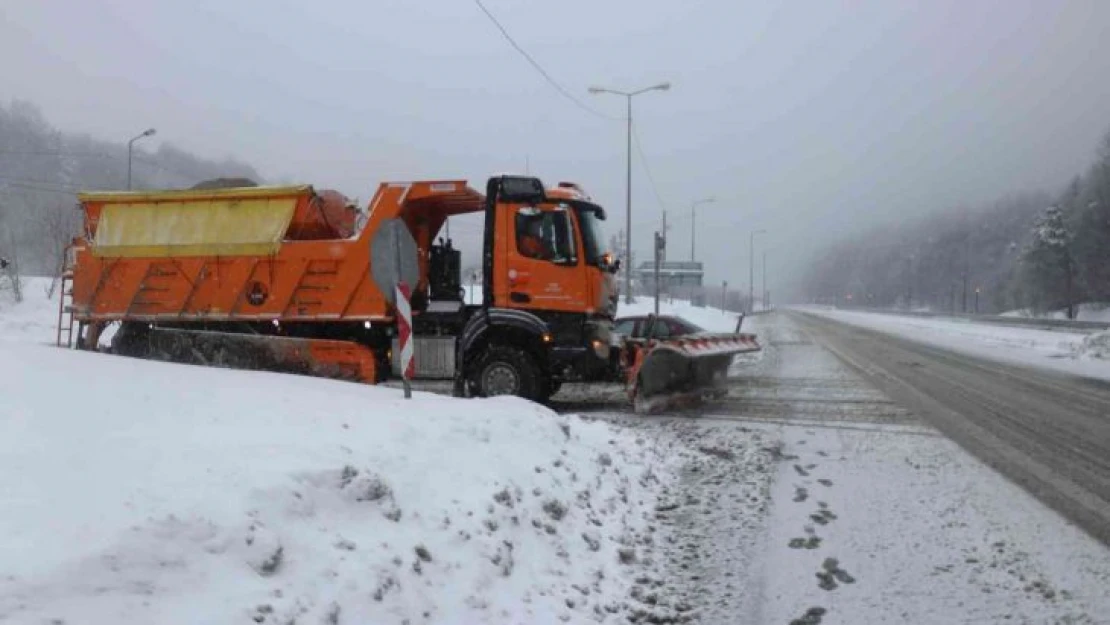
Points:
[693,221]
[764,297]
[751,269]
[664,254]
[628,95]
[909,282]
[967,270]
[977,300]
[660,249]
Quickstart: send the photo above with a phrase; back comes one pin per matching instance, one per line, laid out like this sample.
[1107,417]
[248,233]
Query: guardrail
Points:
[1028,322]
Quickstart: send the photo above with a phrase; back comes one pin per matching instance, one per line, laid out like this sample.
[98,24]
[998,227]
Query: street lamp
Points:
[693,216]
[663,86]
[751,269]
[146,133]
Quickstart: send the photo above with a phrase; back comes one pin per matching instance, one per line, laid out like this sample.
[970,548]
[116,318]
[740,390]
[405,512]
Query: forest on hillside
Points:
[41,169]
[1038,251]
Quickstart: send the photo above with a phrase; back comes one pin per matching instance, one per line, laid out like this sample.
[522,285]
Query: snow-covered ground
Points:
[1086,312]
[877,518]
[1078,353]
[136,491]
[35,319]
[145,492]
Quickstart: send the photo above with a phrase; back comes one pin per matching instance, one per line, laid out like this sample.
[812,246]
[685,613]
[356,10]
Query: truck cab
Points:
[549,293]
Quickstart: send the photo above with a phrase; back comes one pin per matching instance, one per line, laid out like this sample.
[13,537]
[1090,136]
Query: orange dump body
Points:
[246,254]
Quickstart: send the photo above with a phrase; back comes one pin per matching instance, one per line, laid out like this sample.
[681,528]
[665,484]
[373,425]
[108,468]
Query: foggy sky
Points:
[810,119]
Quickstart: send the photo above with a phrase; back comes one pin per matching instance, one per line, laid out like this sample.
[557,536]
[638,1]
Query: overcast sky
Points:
[808,119]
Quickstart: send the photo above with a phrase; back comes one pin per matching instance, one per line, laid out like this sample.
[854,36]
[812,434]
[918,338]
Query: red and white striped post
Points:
[404,335]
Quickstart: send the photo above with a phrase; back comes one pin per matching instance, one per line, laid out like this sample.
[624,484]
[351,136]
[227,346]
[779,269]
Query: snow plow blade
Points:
[343,360]
[680,372]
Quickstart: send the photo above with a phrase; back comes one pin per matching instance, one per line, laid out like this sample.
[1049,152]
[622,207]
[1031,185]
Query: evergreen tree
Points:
[1047,263]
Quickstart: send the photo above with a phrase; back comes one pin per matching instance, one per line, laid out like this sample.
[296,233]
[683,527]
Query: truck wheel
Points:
[507,371]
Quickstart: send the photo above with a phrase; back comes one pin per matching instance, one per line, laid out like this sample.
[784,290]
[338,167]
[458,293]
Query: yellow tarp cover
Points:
[188,225]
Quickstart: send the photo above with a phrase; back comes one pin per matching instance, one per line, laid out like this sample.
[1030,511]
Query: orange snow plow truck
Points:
[285,279]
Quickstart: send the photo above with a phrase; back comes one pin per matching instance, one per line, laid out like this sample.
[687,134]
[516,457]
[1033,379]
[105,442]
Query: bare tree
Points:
[55,228]
[9,272]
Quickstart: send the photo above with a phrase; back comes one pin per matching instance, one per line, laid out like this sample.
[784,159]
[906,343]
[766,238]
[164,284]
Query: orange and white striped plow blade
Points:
[683,369]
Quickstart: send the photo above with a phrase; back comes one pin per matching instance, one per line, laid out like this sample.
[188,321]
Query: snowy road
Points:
[1049,432]
[831,501]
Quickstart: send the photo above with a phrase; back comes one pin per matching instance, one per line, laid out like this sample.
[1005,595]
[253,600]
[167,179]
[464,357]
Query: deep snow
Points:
[137,491]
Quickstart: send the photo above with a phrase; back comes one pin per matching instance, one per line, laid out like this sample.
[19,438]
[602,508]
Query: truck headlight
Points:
[601,348]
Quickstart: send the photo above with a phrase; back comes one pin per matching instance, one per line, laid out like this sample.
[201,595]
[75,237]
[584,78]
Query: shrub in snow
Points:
[1095,345]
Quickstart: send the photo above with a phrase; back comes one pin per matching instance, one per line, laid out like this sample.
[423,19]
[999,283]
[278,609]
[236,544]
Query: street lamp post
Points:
[763,293]
[628,177]
[693,217]
[751,269]
[146,133]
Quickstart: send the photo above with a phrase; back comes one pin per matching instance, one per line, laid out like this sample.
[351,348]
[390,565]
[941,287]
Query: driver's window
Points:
[545,235]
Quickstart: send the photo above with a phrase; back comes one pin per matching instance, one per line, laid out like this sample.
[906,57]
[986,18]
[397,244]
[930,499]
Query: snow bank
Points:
[1091,311]
[1049,349]
[137,491]
[1095,346]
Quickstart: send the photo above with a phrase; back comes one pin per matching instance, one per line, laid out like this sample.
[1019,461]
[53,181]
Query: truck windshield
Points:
[593,236]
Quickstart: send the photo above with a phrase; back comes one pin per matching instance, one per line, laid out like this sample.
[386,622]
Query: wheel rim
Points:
[500,379]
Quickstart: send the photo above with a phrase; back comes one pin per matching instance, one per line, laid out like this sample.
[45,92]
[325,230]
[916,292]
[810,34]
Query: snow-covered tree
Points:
[1092,217]
[1047,263]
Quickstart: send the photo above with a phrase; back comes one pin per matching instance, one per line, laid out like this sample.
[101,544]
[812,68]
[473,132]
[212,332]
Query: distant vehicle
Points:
[666,326]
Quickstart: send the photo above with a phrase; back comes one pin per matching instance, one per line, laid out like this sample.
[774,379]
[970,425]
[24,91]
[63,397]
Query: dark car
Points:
[666,326]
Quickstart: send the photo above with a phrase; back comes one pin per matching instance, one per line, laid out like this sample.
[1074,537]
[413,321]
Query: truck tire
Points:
[507,370]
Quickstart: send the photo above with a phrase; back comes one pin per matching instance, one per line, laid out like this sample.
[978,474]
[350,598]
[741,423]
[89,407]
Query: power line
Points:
[647,169]
[551,81]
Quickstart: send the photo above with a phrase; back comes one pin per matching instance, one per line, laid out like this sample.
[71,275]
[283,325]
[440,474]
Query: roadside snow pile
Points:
[1088,311]
[145,492]
[1095,346]
[1049,349]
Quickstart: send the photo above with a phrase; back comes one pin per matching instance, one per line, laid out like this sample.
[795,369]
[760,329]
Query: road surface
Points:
[1046,431]
[820,498]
